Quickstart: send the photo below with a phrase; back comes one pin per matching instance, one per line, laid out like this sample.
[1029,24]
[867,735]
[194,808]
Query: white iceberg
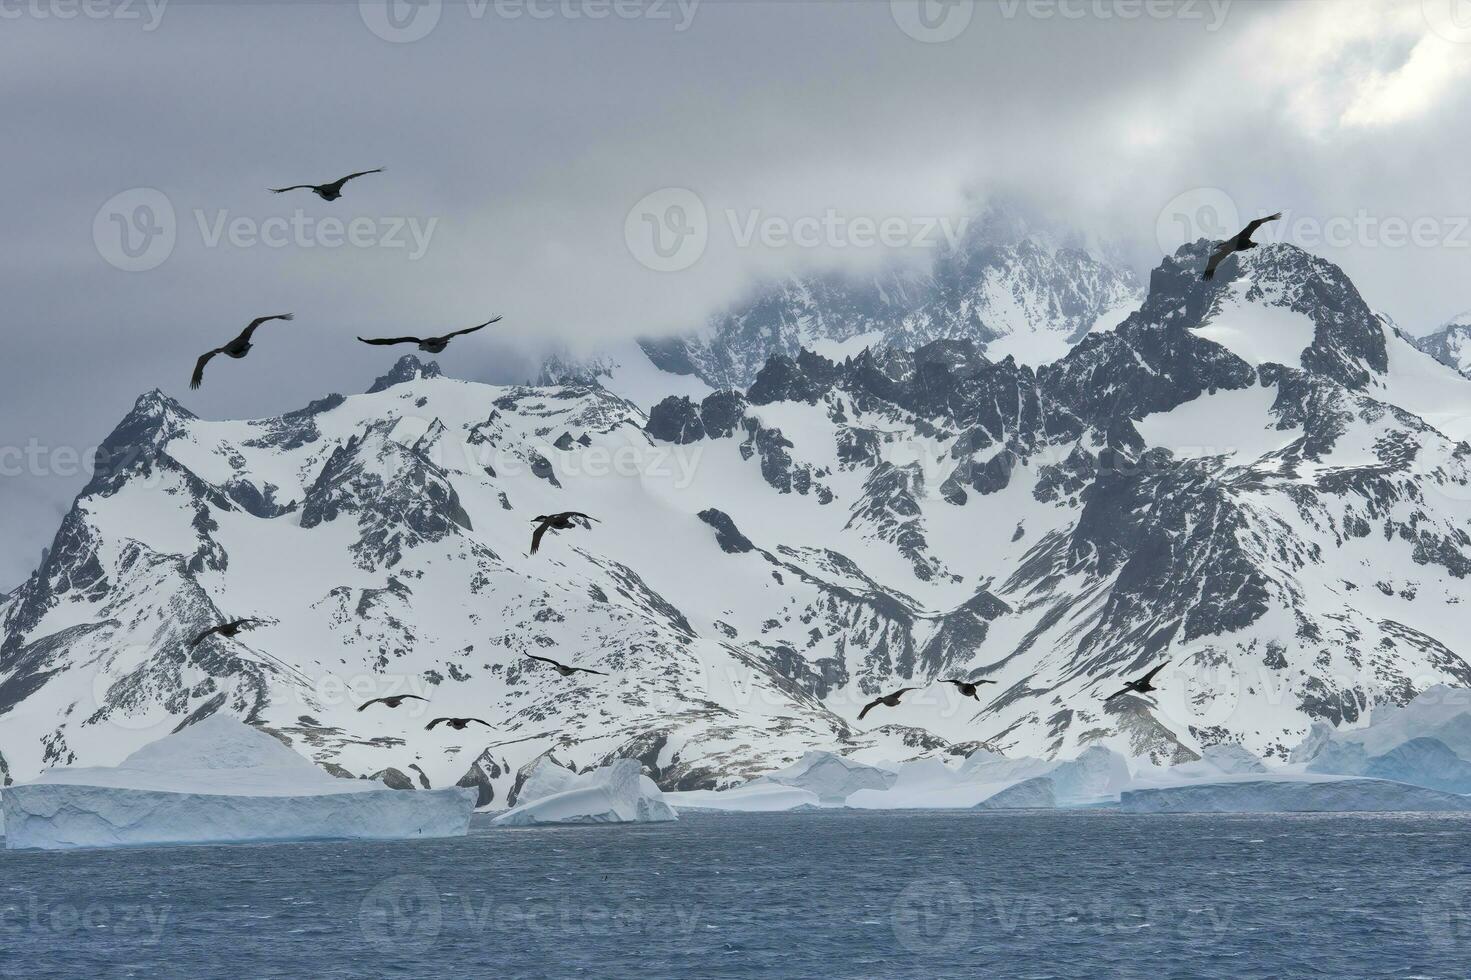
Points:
[1291,793]
[1097,775]
[753,797]
[986,766]
[219,781]
[1036,793]
[926,784]
[1217,760]
[1425,743]
[1427,762]
[831,777]
[619,793]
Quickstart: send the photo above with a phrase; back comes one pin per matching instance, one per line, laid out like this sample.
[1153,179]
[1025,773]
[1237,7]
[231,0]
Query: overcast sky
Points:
[533,146]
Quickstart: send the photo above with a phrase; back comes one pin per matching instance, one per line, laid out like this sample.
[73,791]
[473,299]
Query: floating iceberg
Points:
[831,777]
[219,781]
[752,797]
[1290,793]
[619,793]
[1097,775]
[1036,793]
[1425,743]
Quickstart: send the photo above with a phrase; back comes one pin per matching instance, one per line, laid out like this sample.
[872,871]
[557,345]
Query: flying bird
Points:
[224,629]
[563,669]
[327,192]
[392,701]
[967,688]
[429,345]
[1141,686]
[890,700]
[236,348]
[458,724]
[1240,243]
[565,521]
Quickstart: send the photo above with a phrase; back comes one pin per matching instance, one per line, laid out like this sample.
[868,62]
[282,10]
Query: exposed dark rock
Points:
[730,539]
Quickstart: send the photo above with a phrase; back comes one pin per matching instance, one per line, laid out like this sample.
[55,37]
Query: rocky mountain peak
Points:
[407,368]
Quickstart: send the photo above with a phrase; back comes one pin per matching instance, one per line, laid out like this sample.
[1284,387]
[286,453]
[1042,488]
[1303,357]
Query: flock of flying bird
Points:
[568,520]
[967,689]
[241,346]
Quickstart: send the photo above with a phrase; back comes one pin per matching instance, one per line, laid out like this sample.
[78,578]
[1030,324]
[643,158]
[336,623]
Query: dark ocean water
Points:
[838,894]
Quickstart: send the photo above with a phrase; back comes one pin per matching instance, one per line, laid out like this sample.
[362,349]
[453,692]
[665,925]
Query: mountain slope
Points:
[1250,477]
[1451,343]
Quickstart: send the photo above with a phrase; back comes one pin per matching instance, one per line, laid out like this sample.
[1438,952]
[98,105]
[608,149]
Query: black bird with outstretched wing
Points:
[224,629]
[391,701]
[236,348]
[565,521]
[967,688]
[564,669]
[1239,243]
[1141,686]
[458,724]
[327,192]
[888,700]
[429,345]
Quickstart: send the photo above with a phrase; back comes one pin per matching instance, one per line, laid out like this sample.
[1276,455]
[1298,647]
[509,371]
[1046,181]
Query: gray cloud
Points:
[527,140]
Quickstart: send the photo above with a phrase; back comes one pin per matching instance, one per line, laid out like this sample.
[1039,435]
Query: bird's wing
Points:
[1253,225]
[1116,694]
[947,680]
[589,670]
[366,703]
[245,624]
[545,660]
[869,707]
[250,327]
[433,723]
[414,696]
[202,637]
[985,682]
[536,540]
[1217,257]
[483,722]
[198,378]
[293,187]
[1150,676]
[360,173]
[480,326]
[380,341]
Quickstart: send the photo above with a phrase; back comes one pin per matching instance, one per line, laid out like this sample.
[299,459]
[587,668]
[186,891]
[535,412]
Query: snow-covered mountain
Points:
[1011,286]
[1252,478]
[1450,344]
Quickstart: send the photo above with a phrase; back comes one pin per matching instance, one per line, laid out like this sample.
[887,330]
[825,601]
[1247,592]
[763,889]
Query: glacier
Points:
[1291,794]
[619,793]
[219,781]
